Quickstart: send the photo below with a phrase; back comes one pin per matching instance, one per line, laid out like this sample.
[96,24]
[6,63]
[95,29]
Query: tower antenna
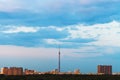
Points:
[59,59]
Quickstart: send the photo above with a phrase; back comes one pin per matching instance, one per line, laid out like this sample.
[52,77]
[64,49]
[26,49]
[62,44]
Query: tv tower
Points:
[59,59]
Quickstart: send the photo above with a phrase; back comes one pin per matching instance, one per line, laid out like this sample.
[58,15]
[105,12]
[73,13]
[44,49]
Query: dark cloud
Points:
[66,13]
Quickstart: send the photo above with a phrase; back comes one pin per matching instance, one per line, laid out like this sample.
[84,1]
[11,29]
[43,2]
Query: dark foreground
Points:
[61,77]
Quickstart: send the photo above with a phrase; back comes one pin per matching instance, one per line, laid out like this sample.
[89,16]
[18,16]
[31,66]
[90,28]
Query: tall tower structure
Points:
[59,60]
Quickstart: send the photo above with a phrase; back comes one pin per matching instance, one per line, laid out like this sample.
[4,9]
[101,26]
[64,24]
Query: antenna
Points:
[59,59]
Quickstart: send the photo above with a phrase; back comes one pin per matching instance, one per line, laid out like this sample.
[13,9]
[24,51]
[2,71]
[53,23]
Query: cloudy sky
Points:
[88,32]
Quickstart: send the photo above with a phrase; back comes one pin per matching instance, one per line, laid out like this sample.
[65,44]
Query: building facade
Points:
[104,69]
[4,70]
[29,72]
[77,71]
[12,71]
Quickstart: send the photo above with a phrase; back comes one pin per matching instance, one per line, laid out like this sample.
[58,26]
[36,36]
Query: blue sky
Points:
[88,32]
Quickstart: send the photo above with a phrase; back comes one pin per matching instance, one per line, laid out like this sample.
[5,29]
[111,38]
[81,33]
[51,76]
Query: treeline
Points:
[61,77]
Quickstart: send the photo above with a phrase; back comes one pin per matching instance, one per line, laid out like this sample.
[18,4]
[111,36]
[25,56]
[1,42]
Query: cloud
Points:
[30,36]
[14,29]
[107,34]
[46,4]
[52,41]
[69,12]
[81,41]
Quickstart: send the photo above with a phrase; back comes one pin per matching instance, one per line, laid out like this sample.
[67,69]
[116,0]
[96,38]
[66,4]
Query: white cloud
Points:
[107,34]
[52,41]
[15,29]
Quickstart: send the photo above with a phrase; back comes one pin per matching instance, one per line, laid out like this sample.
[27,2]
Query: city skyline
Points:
[101,70]
[88,32]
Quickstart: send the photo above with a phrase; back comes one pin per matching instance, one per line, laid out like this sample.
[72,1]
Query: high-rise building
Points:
[20,71]
[4,70]
[104,69]
[12,71]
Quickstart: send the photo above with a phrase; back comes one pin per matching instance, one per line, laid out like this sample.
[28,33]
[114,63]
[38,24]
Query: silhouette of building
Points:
[104,69]
[20,71]
[29,72]
[12,71]
[77,71]
[4,70]
[55,71]
[15,71]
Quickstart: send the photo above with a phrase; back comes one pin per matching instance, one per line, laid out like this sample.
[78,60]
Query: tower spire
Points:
[59,59]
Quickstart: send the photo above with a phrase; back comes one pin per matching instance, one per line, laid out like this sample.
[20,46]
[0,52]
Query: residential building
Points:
[12,71]
[104,69]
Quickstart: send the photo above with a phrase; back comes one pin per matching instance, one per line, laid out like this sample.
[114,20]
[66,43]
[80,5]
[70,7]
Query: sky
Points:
[88,32]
